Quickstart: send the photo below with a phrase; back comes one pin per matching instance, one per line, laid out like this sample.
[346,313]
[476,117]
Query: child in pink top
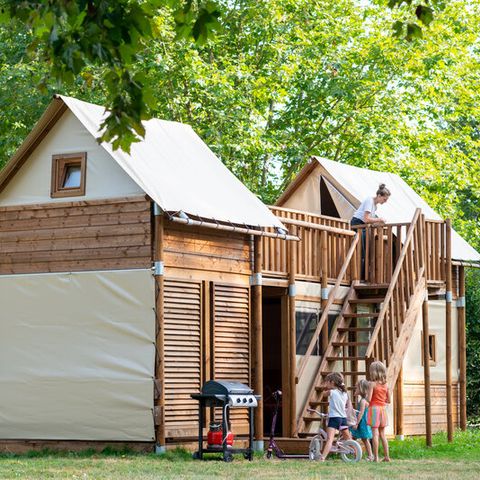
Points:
[378,397]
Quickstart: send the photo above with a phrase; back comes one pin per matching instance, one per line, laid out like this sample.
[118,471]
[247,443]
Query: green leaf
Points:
[413,31]
[424,14]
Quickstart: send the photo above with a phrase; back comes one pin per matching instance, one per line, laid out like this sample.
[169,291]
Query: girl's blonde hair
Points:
[363,386]
[378,372]
[337,379]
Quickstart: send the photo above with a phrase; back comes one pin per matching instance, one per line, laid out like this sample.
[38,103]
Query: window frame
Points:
[432,347]
[60,165]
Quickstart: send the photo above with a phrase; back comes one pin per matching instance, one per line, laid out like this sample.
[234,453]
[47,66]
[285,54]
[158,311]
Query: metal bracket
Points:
[324,293]
[258,445]
[256,279]
[448,296]
[461,302]
[159,269]
[157,211]
[292,290]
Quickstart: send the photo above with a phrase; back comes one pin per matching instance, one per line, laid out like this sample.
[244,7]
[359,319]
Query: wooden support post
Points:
[448,328]
[257,337]
[324,288]
[160,331]
[399,406]
[426,372]
[292,351]
[462,348]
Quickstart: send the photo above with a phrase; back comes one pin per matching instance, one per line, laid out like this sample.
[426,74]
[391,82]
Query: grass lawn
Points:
[411,459]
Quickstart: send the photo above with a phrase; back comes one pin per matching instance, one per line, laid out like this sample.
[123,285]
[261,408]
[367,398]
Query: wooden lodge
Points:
[406,309]
[128,280]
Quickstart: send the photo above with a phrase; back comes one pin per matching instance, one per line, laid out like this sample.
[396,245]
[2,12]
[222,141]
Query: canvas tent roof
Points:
[171,164]
[349,186]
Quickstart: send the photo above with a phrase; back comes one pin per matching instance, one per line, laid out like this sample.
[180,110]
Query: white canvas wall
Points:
[104,179]
[412,364]
[77,356]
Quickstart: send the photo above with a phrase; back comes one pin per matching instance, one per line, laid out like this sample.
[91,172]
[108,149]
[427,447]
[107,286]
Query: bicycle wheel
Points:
[351,451]
[315,448]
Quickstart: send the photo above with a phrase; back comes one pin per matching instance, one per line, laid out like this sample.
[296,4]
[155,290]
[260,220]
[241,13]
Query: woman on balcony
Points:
[366,214]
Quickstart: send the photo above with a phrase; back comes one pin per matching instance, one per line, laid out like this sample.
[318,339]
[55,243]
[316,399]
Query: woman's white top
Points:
[337,403]
[368,205]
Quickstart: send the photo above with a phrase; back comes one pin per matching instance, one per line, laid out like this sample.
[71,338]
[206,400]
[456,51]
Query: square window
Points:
[68,175]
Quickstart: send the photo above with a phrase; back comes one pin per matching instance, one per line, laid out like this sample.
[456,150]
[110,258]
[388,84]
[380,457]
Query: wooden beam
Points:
[291,400]
[462,348]
[324,286]
[257,337]
[426,372]
[160,330]
[399,406]
[448,327]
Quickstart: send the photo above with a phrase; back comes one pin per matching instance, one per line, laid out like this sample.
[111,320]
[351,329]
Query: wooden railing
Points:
[324,243]
[407,285]
[311,230]
[382,244]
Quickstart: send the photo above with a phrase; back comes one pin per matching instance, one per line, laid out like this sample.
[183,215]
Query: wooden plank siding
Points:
[194,248]
[183,356]
[414,407]
[231,342]
[76,236]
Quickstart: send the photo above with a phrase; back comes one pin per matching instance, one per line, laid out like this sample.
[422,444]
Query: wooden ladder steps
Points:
[361,315]
[337,359]
[355,329]
[320,389]
[349,344]
[357,301]
[371,286]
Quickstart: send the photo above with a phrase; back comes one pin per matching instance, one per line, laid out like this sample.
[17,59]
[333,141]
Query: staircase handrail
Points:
[324,316]
[393,282]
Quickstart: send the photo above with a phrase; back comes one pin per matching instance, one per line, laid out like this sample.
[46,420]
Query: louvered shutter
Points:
[183,355]
[231,341]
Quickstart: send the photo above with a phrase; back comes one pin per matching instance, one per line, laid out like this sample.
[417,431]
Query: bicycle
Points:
[350,451]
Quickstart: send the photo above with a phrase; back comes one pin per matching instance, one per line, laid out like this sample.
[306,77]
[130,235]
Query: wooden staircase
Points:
[375,323]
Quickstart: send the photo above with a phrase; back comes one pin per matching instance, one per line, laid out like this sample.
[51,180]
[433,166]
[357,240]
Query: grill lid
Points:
[225,387]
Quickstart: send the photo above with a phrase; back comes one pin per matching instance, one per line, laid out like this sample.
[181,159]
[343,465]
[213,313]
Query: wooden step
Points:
[357,301]
[349,344]
[317,403]
[361,315]
[356,329]
[338,359]
[345,374]
[371,286]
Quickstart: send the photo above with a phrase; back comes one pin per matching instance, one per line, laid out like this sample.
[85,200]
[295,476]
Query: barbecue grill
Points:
[225,394]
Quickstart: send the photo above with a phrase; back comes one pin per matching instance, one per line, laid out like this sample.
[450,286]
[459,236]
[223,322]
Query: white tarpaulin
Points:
[178,170]
[68,372]
[359,183]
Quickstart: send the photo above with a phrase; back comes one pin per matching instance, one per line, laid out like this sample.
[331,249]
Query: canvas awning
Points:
[349,186]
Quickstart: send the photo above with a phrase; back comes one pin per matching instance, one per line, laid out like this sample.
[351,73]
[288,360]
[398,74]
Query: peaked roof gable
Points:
[356,184]
[171,164]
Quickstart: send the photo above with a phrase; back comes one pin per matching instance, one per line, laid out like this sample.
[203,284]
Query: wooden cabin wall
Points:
[207,320]
[75,236]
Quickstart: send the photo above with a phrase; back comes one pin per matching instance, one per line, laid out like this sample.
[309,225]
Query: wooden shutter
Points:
[231,341]
[183,356]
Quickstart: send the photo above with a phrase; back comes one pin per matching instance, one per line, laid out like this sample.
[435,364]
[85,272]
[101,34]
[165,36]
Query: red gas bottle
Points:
[215,436]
